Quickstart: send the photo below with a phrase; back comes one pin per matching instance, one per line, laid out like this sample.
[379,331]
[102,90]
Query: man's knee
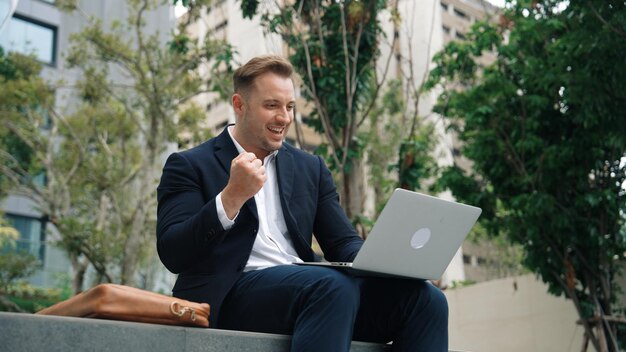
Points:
[439,298]
[433,299]
[335,286]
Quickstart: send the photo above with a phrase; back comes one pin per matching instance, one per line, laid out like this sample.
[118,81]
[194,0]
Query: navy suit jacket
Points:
[191,241]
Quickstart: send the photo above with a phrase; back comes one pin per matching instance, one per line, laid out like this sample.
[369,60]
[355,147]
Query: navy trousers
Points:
[325,309]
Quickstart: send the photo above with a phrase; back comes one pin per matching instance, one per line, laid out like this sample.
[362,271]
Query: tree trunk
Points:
[352,190]
[80,268]
[132,248]
[137,233]
[601,337]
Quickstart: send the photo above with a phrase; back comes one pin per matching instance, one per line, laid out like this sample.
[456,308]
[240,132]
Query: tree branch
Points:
[572,295]
[597,14]
[323,115]
[348,79]
[384,77]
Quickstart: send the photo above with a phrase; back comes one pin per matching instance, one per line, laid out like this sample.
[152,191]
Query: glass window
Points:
[30,37]
[5,8]
[221,26]
[32,234]
[444,7]
[460,14]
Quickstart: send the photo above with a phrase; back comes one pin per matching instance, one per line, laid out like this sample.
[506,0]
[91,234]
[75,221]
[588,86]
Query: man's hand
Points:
[247,176]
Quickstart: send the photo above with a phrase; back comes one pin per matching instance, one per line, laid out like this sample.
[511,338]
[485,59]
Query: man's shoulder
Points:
[207,148]
[301,158]
[200,148]
[299,153]
[197,157]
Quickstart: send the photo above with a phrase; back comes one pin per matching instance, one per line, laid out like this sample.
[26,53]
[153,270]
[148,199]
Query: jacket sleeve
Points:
[187,224]
[333,230]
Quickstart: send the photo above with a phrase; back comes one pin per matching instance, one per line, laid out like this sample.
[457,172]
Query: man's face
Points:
[264,114]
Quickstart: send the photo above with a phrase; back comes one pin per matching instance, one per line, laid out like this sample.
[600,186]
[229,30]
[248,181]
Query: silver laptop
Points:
[415,236]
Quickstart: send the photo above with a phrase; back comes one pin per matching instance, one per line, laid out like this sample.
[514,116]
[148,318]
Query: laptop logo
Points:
[420,237]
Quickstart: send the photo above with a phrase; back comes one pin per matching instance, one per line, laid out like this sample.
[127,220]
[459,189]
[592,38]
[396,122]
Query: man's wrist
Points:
[226,220]
[231,204]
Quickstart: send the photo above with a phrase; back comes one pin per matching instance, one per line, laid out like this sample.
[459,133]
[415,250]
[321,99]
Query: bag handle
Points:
[180,310]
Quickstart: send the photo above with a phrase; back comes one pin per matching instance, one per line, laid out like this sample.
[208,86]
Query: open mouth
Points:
[276,130]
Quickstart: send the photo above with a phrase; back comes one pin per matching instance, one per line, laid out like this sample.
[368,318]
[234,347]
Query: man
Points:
[236,211]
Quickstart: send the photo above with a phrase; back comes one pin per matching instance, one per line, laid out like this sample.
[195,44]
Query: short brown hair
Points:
[244,76]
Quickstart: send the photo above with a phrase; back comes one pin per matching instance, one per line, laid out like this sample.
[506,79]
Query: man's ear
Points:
[238,103]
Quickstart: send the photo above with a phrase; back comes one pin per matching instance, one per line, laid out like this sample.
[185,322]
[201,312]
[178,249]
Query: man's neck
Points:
[232,131]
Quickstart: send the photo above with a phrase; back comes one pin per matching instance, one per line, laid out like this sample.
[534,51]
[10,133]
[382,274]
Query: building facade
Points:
[39,27]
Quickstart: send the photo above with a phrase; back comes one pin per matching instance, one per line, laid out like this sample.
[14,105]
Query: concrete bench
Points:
[29,332]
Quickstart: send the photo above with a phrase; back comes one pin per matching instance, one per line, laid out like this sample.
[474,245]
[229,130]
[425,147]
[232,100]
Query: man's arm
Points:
[333,230]
[186,224]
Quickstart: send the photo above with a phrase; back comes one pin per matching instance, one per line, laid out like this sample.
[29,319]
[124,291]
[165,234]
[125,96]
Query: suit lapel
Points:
[225,150]
[285,169]
[285,172]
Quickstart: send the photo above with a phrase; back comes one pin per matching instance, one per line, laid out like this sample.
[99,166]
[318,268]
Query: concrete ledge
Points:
[29,332]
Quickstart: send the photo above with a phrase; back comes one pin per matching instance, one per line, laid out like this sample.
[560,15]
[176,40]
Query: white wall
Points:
[513,314]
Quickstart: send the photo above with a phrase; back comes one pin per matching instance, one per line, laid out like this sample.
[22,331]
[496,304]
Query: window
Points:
[32,234]
[221,26]
[446,29]
[460,14]
[460,35]
[444,7]
[27,36]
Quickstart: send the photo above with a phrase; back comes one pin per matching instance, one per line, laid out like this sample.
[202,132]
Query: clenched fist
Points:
[247,176]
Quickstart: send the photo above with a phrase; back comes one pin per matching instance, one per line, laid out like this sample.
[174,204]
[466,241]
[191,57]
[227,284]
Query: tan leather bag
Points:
[118,302]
